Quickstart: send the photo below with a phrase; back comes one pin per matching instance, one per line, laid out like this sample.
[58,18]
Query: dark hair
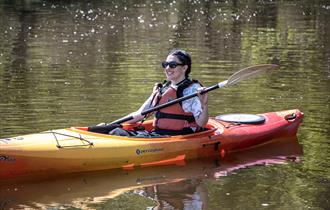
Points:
[183,57]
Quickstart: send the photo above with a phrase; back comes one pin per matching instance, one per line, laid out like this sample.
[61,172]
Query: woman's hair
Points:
[183,57]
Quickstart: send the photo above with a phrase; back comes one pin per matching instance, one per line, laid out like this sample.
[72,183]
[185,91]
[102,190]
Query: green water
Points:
[74,63]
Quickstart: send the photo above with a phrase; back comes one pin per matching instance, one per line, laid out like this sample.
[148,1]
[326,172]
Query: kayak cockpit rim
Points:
[210,133]
[212,130]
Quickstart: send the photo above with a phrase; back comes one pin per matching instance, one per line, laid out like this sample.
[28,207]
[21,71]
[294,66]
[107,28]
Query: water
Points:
[76,63]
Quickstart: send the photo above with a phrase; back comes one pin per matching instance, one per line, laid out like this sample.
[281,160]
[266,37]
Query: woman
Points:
[186,117]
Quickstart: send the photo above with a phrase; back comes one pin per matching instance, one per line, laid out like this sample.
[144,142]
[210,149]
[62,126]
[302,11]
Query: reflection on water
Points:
[77,63]
[168,186]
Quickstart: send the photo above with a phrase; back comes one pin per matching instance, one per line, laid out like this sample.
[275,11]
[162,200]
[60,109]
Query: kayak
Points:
[77,149]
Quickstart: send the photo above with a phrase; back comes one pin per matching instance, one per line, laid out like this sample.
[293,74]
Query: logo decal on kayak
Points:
[6,158]
[142,151]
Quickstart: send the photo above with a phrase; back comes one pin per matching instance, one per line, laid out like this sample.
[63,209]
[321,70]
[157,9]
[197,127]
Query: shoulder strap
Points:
[165,85]
[155,100]
[186,83]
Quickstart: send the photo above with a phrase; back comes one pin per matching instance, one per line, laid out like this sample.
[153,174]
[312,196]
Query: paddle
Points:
[233,79]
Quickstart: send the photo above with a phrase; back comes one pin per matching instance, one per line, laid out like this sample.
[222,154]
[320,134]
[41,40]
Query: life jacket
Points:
[173,120]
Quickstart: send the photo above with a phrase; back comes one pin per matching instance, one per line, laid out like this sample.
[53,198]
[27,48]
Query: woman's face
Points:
[177,74]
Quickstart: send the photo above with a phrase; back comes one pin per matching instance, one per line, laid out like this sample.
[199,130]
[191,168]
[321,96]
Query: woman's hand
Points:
[156,87]
[202,97]
[203,118]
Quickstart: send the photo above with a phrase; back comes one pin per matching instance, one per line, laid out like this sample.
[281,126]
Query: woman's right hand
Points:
[157,86]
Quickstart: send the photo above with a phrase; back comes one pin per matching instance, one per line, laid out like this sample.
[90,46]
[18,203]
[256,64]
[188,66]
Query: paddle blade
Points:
[250,72]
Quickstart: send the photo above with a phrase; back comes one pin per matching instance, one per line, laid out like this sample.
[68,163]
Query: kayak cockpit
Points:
[145,126]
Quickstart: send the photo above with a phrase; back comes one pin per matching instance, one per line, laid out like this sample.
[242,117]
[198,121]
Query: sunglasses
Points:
[171,64]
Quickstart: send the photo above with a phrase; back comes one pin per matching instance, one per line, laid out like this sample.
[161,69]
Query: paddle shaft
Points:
[170,103]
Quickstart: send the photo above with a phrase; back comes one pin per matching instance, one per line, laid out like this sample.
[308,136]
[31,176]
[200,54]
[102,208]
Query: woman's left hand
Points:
[202,97]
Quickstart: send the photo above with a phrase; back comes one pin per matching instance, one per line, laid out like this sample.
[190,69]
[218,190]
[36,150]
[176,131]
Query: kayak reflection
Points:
[191,193]
[155,183]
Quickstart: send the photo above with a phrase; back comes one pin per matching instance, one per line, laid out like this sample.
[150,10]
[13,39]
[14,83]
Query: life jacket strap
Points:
[184,131]
[160,115]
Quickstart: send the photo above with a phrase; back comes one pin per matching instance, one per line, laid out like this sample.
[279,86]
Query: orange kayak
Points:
[76,149]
